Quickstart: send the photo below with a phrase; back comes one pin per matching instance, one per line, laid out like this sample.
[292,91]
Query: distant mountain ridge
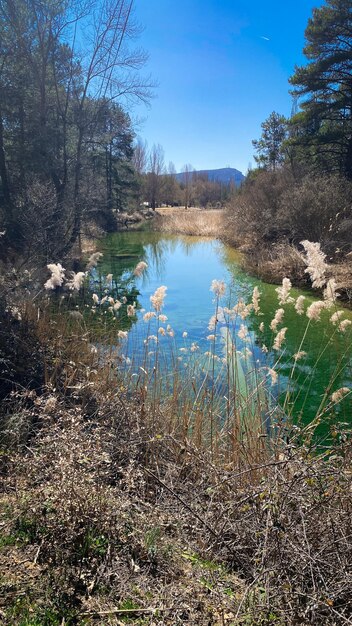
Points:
[225,175]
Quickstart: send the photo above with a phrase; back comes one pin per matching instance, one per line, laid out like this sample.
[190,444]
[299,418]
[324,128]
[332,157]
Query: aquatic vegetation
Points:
[316,265]
[284,291]
[299,305]
[140,268]
[279,314]
[157,299]
[93,260]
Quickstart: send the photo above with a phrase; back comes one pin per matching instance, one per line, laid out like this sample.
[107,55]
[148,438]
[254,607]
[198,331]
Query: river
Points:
[186,266]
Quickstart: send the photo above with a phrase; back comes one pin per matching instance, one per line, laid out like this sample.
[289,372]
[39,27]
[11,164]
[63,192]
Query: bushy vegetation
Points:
[274,212]
[158,496]
[275,207]
[115,519]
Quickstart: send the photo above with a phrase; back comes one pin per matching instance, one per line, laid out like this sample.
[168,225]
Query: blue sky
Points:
[222,68]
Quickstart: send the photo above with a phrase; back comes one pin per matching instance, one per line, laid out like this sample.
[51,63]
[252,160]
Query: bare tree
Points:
[172,190]
[111,71]
[140,156]
[156,169]
[171,170]
[187,180]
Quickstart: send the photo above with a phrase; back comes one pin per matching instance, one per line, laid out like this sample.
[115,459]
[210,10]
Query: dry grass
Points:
[119,505]
[343,274]
[191,222]
[106,517]
[271,264]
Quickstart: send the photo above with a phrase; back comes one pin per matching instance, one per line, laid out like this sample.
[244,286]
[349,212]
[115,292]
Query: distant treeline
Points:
[161,185]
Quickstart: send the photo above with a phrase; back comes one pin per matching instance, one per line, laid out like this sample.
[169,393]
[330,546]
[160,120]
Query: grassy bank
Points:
[120,504]
[192,221]
[275,211]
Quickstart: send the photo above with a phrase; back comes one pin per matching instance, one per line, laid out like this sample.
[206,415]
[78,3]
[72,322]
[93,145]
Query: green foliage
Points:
[93,544]
[24,612]
[195,559]
[7,540]
[322,132]
[152,537]
[270,146]
[26,529]
[128,605]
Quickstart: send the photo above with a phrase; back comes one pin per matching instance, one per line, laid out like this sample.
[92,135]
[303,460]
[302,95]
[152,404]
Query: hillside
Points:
[225,175]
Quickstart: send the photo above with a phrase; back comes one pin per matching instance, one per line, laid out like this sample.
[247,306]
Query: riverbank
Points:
[121,505]
[110,514]
[268,262]
[191,221]
[100,523]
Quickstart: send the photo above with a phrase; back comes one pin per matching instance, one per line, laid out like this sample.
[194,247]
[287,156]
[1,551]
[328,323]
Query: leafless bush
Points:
[104,505]
[273,207]
[271,263]
[255,217]
[320,209]
[41,222]
[290,536]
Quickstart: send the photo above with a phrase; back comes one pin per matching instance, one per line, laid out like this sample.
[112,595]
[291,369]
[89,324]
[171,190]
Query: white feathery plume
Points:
[57,276]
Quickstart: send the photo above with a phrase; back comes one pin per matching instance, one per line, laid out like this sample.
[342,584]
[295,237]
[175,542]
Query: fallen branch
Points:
[126,611]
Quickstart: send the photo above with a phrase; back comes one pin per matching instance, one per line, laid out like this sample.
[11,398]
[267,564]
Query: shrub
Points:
[319,209]
[21,356]
[256,213]
[274,208]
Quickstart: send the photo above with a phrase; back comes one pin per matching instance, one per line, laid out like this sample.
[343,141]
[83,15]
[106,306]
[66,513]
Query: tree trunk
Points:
[348,159]
[4,178]
[77,209]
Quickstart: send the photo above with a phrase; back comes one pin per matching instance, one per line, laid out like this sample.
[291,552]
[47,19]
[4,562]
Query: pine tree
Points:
[270,146]
[324,126]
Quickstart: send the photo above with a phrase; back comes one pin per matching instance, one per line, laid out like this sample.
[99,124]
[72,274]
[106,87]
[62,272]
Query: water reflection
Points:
[186,265]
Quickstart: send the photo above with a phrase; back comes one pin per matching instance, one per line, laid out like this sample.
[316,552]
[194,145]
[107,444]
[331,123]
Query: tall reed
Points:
[226,399]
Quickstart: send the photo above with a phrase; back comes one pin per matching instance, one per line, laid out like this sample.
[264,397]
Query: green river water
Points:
[187,265]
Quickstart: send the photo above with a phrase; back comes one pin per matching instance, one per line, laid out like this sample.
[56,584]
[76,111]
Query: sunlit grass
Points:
[205,223]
